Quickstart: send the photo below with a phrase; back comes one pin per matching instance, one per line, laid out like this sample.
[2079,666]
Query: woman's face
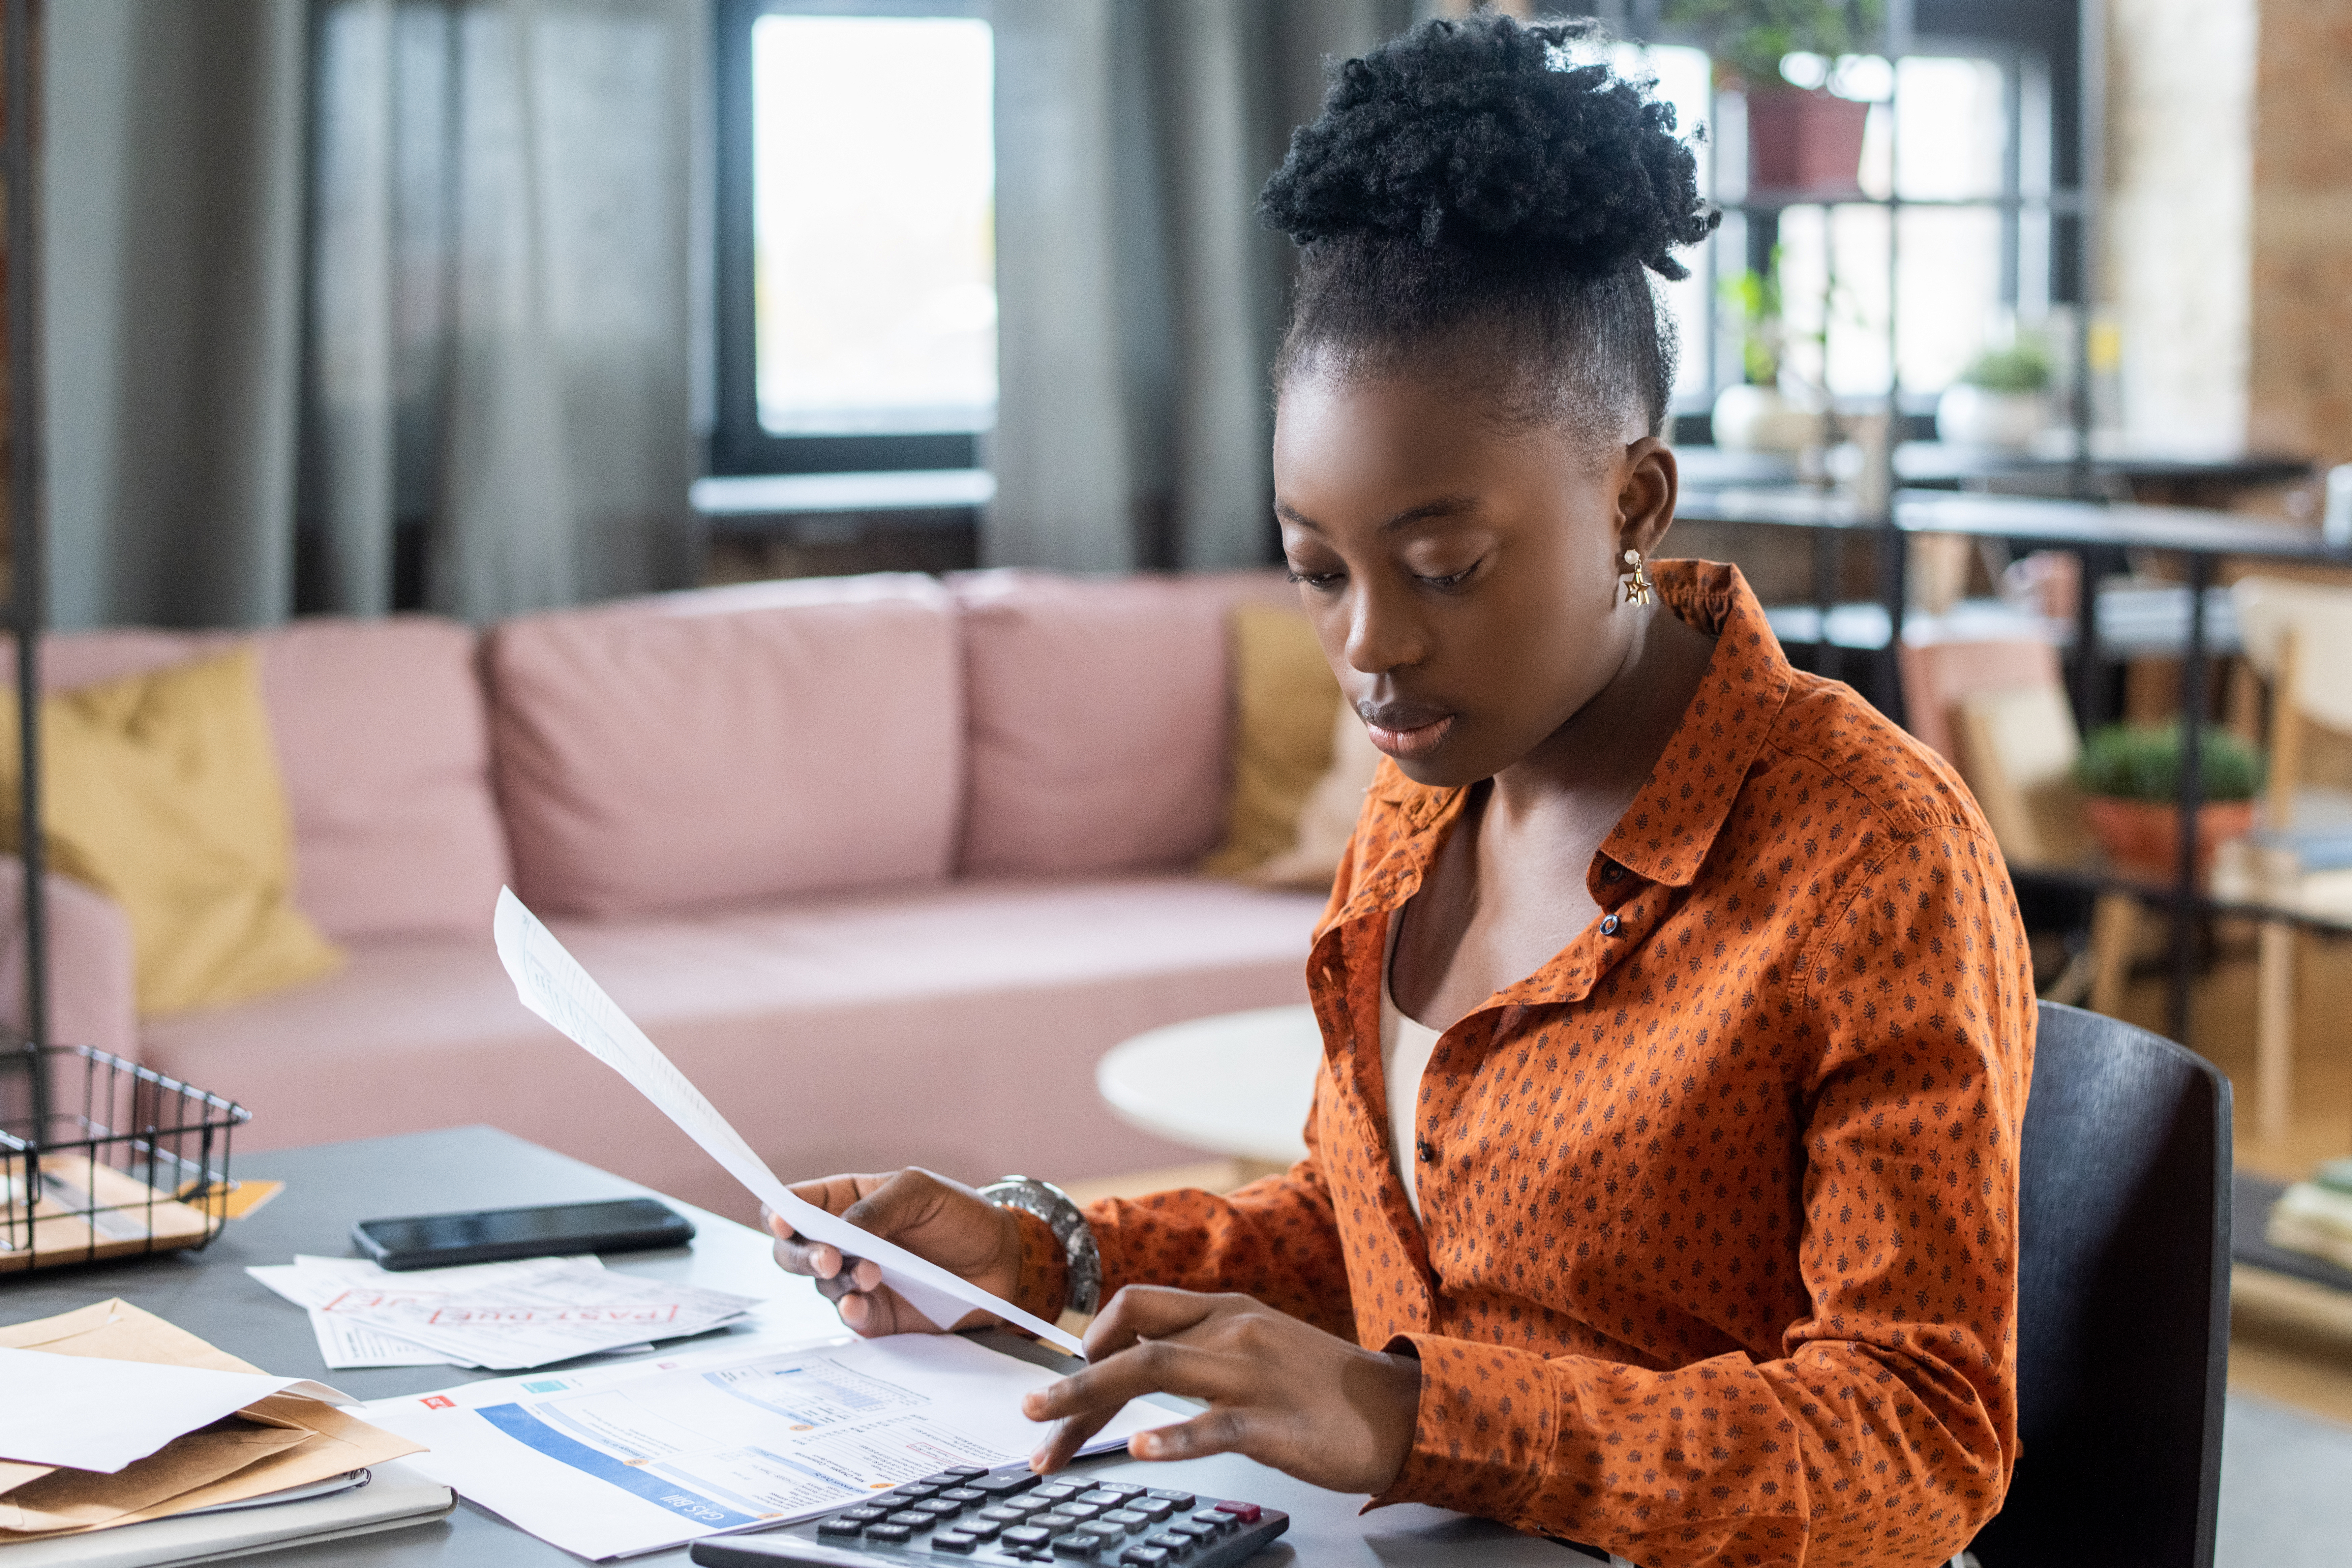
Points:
[1463,576]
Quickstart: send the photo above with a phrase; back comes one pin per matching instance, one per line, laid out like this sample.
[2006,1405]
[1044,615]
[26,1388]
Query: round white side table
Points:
[1237,1084]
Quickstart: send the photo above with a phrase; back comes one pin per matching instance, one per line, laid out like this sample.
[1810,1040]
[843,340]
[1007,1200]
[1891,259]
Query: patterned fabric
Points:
[1720,1244]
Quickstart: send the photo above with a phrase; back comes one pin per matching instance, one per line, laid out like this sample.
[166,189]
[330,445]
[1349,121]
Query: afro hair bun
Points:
[1485,135]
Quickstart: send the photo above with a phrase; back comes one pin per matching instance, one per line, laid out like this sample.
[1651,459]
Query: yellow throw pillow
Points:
[1329,818]
[162,792]
[1284,696]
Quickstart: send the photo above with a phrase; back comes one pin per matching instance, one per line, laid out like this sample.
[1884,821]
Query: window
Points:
[856,267]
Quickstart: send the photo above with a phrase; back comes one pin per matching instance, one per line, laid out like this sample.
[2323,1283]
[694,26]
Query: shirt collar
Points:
[1665,834]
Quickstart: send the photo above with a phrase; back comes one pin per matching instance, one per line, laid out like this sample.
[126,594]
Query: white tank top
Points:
[1405,1047]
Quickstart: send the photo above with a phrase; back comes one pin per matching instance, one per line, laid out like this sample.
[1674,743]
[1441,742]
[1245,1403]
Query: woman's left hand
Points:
[1281,1392]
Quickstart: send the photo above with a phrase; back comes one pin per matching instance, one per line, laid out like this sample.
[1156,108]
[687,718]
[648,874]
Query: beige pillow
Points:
[1282,699]
[162,792]
[1330,814]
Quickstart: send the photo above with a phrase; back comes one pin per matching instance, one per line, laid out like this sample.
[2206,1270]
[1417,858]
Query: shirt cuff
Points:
[1045,1278]
[1483,1433]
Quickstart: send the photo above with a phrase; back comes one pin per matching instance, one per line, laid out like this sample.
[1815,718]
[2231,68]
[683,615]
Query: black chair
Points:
[2124,1303]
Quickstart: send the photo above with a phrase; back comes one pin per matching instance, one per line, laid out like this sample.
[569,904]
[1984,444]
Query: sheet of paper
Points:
[553,1313]
[345,1342]
[552,984]
[615,1461]
[87,1414]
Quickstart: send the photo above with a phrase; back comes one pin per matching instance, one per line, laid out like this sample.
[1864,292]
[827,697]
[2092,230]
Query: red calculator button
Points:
[1245,1511]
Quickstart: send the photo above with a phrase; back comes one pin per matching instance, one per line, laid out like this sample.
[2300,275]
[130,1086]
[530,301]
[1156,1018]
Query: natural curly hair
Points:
[1472,196]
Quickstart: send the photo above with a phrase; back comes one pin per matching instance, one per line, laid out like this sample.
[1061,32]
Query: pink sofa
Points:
[884,863]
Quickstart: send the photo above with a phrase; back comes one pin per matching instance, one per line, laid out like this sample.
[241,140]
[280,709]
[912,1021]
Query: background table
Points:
[209,1294]
[1237,1084]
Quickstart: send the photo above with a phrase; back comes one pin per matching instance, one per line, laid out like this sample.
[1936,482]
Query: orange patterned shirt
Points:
[1718,1260]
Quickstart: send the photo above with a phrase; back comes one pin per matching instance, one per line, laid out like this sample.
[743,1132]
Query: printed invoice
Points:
[611,1461]
[552,984]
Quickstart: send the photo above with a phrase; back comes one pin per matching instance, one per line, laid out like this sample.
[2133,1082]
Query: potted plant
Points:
[2130,777]
[2002,400]
[1799,141]
[1753,415]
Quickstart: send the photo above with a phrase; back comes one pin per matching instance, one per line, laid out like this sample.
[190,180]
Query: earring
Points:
[1637,582]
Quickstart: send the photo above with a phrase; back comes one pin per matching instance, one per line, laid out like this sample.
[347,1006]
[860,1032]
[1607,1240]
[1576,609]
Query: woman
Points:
[1676,1015]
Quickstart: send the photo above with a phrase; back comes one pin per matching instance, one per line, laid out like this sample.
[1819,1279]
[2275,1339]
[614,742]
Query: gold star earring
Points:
[1637,582]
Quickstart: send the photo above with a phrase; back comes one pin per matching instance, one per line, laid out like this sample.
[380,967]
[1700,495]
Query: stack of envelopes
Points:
[289,1438]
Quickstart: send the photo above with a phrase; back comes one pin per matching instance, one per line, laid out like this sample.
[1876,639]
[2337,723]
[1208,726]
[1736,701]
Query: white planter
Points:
[1970,415]
[1759,419]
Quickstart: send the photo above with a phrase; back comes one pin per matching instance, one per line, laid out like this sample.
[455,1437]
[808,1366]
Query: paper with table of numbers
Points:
[613,1461]
[552,984]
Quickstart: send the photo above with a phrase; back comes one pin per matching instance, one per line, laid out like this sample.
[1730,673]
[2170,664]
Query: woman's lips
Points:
[1405,730]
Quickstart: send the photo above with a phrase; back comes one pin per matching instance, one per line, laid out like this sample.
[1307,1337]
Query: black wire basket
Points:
[123,1162]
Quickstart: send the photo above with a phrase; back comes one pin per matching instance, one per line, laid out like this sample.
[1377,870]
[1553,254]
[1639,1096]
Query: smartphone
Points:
[489,1236]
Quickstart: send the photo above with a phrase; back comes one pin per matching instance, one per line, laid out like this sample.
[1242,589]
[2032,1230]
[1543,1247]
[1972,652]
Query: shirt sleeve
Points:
[1885,1432]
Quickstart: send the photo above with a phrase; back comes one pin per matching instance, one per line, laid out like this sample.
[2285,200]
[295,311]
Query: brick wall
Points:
[2299,375]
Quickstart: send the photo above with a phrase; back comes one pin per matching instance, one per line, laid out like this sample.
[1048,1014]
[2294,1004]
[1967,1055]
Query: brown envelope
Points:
[308,1440]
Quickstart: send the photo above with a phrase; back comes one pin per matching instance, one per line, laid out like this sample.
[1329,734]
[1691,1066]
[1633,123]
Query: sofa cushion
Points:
[729,744]
[1098,718]
[955,1026]
[385,751]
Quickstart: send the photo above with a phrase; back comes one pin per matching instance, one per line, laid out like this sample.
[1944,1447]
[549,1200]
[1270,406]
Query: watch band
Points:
[1063,1218]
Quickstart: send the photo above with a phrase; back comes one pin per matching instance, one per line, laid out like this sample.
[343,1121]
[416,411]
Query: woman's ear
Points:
[1648,482]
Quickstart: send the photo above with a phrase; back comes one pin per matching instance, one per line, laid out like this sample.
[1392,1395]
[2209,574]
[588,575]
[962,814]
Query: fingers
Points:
[1063,1443]
[1226,1431]
[1155,1366]
[1151,1312]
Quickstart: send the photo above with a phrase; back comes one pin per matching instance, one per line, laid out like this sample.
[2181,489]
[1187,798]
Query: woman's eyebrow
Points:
[1443,506]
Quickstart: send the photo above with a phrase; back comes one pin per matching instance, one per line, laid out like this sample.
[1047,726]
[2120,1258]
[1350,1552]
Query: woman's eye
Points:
[1451,579]
[1314,579]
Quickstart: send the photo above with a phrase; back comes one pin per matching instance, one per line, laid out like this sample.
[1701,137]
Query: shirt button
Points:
[1608,925]
[1612,871]
[1426,1150]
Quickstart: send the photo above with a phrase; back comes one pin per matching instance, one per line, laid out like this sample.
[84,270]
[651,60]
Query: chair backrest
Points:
[1937,676]
[2123,1303]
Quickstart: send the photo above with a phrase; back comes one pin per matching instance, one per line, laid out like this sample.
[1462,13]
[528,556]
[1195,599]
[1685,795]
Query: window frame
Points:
[739,444]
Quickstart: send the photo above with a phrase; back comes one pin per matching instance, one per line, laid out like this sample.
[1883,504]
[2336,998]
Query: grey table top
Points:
[331,1186]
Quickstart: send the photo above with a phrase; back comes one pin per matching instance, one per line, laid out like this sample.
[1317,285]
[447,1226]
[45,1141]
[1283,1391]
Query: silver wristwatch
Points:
[1052,1204]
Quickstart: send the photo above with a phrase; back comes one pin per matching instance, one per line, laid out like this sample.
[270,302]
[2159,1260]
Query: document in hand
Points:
[552,984]
[277,1441]
[611,1461]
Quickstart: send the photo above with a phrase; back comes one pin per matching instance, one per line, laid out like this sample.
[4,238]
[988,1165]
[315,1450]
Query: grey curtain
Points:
[172,208]
[344,291]
[1139,301]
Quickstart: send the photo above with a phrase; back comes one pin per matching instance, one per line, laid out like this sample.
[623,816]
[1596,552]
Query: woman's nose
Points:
[1382,633]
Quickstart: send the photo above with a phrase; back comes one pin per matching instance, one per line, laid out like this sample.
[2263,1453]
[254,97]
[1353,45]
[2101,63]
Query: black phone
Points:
[491,1235]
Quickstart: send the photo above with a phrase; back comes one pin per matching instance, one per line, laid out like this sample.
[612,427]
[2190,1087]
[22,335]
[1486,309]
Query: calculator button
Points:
[912,1520]
[979,1529]
[1124,1489]
[954,1540]
[1027,1535]
[838,1526]
[1101,1498]
[891,1534]
[1173,1541]
[1175,1499]
[914,1491]
[1004,1515]
[965,1471]
[1079,1510]
[1061,1489]
[1127,1519]
[1077,1544]
[1211,1517]
[1247,1512]
[1193,1533]
[938,1508]
[867,1515]
[948,1478]
[1006,1483]
[1152,1508]
[963,1495]
[1029,1504]
[1146,1556]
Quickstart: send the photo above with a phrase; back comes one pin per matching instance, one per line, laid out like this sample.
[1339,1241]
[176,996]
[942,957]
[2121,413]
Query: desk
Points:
[328,1187]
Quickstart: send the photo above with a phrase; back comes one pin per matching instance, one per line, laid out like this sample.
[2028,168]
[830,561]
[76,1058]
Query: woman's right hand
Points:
[930,1216]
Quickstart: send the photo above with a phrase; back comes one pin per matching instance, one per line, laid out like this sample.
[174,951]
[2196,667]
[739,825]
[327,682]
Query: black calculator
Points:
[972,1515]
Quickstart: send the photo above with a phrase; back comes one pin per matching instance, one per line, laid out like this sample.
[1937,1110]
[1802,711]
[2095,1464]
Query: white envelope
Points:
[91,1415]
